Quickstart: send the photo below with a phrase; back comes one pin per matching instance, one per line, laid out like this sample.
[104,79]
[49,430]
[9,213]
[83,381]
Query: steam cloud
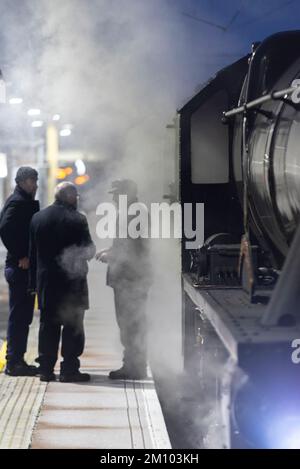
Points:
[117,70]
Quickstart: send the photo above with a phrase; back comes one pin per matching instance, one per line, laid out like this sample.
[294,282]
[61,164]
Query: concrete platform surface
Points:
[99,414]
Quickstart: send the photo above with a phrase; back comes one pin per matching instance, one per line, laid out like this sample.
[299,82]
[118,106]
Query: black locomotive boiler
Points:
[239,144]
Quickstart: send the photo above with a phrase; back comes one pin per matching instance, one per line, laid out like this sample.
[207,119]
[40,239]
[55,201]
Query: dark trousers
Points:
[71,332]
[21,305]
[130,305]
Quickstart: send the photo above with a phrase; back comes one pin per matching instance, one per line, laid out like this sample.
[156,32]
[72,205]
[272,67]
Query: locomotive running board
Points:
[237,322]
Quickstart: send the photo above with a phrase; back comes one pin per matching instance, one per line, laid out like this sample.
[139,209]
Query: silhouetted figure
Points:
[129,274]
[60,246]
[14,231]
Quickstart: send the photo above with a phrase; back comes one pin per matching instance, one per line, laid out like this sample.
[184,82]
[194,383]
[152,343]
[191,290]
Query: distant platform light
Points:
[65,132]
[80,180]
[61,173]
[15,101]
[34,112]
[56,117]
[80,167]
[68,170]
[3,165]
[37,124]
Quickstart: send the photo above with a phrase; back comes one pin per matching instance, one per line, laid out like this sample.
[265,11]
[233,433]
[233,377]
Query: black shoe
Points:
[38,371]
[32,367]
[47,377]
[20,369]
[125,373]
[77,377]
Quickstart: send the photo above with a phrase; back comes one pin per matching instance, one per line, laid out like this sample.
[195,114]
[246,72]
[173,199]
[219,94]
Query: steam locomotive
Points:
[239,153]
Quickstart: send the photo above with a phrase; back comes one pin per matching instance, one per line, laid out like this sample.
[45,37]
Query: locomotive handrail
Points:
[263,99]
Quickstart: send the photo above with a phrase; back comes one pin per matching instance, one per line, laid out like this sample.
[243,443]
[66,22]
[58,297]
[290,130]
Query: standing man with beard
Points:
[60,246]
[14,231]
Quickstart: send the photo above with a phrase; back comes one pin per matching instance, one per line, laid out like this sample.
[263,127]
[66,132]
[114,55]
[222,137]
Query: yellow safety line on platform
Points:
[36,305]
[3,355]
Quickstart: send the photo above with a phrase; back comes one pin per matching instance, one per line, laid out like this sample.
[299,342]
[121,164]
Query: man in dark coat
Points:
[60,246]
[14,231]
[129,273]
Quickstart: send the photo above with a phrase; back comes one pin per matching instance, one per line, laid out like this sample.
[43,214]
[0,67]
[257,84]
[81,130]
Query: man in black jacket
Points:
[60,246]
[14,231]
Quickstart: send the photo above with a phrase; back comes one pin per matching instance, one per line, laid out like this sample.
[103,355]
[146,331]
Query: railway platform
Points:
[101,414]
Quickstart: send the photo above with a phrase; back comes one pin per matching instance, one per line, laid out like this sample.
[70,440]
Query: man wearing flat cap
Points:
[15,219]
[129,274]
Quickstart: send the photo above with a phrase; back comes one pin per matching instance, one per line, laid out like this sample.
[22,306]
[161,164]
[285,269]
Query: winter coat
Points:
[15,220]
[129,263]
[60,246]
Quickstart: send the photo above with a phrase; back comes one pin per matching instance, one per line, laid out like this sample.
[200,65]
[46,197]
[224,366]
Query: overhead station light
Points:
[36,124]
[15,101]
[56,117]
[65,132]
[34,112]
